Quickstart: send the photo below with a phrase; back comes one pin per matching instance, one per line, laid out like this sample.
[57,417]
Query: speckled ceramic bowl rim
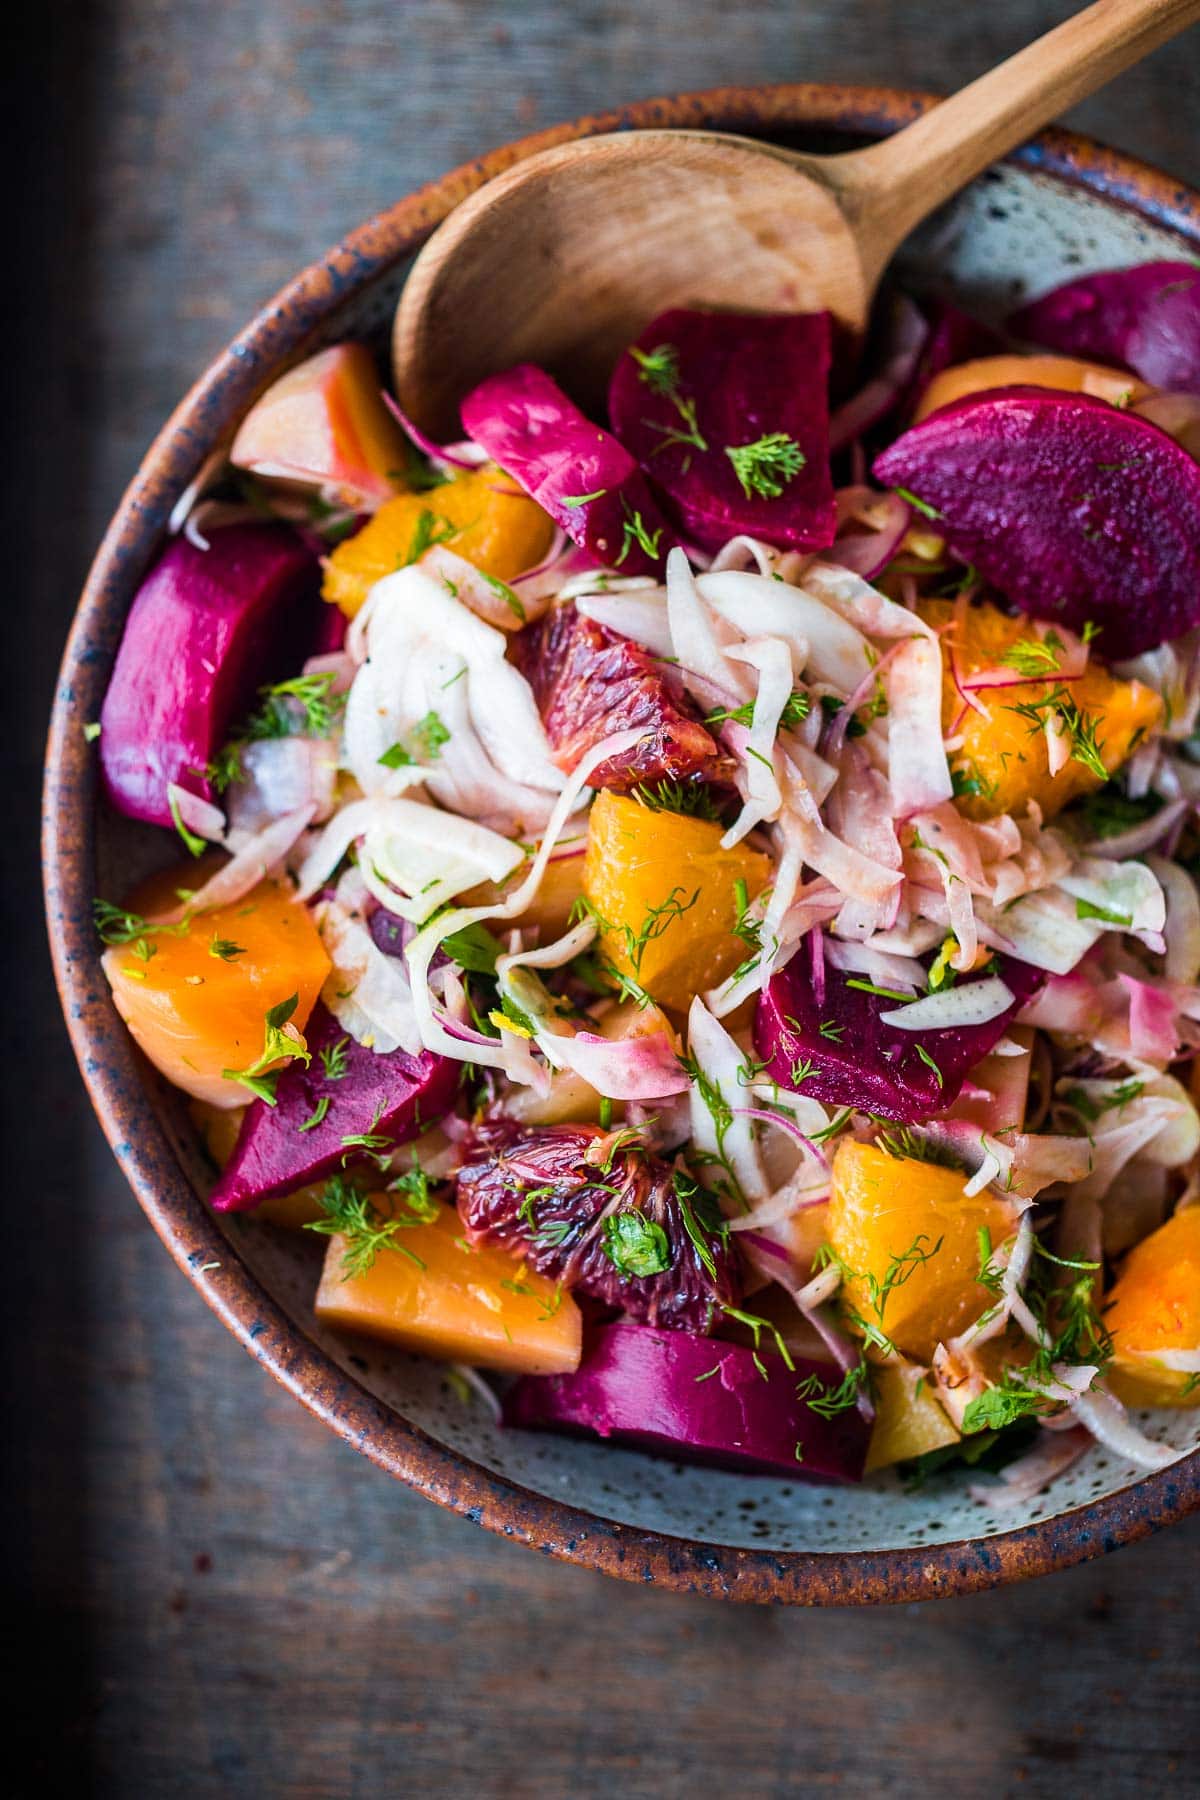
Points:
[116,1085]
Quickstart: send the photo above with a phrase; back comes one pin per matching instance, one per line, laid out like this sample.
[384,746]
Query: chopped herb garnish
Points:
[658,368]
[333,1059]
[1035,656]
[277,1046]
[765,467]
[360,1220]
[196,844]
[316,1116]
[225,949]
[635,531]
[635,1245]
[919,505]
[431,529]
[1086,909]
[574,500]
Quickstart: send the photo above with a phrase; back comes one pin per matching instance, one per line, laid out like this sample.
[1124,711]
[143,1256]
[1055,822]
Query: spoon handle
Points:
[889,187]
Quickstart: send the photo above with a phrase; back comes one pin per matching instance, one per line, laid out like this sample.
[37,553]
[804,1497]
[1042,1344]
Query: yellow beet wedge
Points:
[481,516]
[668,897]
[435,1294]
[1003,760]
[1064,372]
[908,1238]
[1153,1311]
[908,1420]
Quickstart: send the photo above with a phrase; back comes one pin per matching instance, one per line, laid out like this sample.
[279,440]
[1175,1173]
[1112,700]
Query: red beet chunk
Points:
[396,1097]
[696,1400]
[837,1049]
[594,1224]
[1075,510]
[578,473]
[1146,318]
[697,385]
[588,683]
[206,629]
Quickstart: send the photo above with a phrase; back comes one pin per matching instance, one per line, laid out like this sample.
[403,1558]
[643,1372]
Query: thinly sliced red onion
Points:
[906,338]
[195,814]
[253,862]
[868,552]
[835,734]
[1024,1479]
[1110,1425]
[766,1117]
[463,455]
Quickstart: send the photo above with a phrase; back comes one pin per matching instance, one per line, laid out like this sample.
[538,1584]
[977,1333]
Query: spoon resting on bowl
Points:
[563,259]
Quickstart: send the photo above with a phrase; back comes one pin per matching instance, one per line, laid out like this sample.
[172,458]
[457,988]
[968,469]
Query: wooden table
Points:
[218,1598]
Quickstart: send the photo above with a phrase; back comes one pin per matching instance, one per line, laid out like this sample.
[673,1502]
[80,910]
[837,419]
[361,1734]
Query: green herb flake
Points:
[765,467]
[635,1245]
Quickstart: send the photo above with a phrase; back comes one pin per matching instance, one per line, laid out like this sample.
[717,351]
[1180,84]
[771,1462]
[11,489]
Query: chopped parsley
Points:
[635,1245]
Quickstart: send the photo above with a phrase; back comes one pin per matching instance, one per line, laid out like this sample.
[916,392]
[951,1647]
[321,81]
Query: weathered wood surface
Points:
[210,1595]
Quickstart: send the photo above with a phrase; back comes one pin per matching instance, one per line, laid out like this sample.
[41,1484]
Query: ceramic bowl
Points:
[1062,206]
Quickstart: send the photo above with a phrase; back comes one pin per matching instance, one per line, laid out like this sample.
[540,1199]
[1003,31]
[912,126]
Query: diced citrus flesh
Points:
[1004,759]
[1154,1307]
[1067,373]
[324,424]
[639,860]
[467,1305]
[481,516]
[908,1420]
[570,1096]
[195,1012]
[894,1218]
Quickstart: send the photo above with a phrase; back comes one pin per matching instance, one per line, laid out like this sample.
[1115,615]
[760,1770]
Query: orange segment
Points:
[639,860]
[893,1217]
[1154,1306]
[448,1300]
[197,1003]
[481,515]
[1066,373]
[1003,761]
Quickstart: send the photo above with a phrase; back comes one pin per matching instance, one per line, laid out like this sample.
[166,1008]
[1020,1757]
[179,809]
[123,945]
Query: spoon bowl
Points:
[563,258]
[569,232]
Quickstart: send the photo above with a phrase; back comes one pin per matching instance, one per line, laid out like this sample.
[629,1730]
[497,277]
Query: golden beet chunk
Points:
[668,897]
[1003,760]
[436,1294]
[481,516]
[1153,1313]
[1066,373]
[909,1238]
[196,996]
[908,1420]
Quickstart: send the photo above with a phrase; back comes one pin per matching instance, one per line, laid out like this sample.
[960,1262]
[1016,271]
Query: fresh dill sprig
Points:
[765,467]
[361,1221]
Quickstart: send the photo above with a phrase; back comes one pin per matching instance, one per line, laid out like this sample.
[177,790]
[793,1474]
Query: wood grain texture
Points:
[209,1595]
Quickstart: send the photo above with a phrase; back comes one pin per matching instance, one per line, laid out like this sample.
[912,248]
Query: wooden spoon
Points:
[566,256]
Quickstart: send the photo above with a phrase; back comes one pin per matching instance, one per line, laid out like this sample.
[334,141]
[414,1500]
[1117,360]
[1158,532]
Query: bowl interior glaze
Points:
[1064,208]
